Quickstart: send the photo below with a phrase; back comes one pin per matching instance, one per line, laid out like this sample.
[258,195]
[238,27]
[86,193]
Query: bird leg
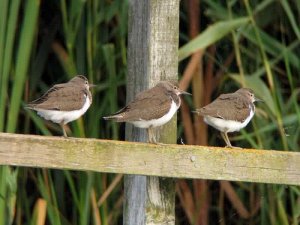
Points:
[151,136]
[226,139]
[63,128]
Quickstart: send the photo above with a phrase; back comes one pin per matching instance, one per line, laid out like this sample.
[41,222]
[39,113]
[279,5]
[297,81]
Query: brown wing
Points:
[227,106]
[60,97]
[147,105]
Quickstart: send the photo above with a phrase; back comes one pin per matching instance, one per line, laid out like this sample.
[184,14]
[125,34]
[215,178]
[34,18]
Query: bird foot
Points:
[162,144]
[230,146]
[156,143]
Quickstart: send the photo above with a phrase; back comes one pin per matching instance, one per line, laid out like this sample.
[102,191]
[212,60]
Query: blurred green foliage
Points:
[48,42]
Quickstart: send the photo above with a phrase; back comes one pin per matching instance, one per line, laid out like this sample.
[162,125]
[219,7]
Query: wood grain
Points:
[153,36]
[178,161]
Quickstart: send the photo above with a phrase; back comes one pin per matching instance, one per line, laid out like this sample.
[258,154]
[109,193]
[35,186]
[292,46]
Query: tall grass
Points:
[47,42]
[16,48]
[38,50]
[266,51]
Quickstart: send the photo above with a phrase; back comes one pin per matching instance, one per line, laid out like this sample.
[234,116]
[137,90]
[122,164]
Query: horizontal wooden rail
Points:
[179,161]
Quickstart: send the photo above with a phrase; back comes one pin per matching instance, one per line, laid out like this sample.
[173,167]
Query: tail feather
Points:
[199,111]
[29,106]
[113,117]
[116,116]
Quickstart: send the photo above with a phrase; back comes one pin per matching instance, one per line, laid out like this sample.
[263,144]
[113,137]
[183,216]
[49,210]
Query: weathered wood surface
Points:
[153,36]
[178,161]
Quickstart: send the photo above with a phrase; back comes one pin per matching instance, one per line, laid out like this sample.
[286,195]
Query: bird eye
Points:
[175,87]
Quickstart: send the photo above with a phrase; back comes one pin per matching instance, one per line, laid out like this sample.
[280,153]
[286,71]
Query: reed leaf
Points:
[22,61]
[212,34]
[7,42]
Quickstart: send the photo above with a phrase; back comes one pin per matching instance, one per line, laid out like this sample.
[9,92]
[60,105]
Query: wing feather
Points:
[144,107]
[225,106]
[60,97]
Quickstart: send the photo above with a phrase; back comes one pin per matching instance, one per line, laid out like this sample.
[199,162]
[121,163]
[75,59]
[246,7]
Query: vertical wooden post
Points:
[152,56]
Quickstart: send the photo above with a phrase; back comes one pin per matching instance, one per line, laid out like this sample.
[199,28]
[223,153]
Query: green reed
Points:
[89,37]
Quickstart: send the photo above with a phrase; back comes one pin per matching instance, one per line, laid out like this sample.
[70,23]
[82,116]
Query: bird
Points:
[151,108]
[64,102]
[230,112]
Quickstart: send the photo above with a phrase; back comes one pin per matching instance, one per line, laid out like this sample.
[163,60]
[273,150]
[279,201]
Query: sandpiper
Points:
[230,112]
[64,102]
[151,108]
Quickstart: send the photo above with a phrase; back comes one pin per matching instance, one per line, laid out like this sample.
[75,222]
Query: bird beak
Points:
[92,85]
[184,92]
[257,100]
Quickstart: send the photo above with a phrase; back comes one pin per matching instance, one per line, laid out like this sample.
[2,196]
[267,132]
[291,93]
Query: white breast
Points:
[227,125]
[64,116]
[157,122]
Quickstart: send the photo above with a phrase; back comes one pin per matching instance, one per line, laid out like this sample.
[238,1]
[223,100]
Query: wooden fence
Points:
[152,56]
[178,161]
